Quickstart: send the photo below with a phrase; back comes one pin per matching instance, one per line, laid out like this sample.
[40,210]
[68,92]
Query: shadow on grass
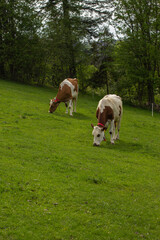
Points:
[79,116]
[122,145]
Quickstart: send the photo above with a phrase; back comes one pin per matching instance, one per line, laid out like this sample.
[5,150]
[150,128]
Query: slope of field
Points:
[55,185]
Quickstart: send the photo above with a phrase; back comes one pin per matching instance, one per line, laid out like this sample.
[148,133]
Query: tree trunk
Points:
[68,39]
[150,92]
[12,72]
[107,84]
[2,72]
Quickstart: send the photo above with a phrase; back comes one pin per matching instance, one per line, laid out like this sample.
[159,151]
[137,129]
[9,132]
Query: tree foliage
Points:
[70,26]
[19,41]
[138,53]
[44,42]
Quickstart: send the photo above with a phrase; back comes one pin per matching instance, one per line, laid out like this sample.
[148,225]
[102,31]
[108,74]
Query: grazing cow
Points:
[68,91]
[109,111]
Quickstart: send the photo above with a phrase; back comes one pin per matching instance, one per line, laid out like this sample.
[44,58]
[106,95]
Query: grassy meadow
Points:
[54,185]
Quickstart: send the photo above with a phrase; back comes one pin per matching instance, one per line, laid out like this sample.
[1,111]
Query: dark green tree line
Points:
[139,52]
[19,40]
[47,41]
[44,42]
[71,25]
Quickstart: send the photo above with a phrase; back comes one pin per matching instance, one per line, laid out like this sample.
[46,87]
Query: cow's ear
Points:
[92,125]
[103,129]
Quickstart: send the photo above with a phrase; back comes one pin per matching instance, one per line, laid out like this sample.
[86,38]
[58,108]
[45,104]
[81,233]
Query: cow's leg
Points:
[115,126]
[112,131]
[75,103]
[106,126]
[66,104]
[118,128]
[71,107]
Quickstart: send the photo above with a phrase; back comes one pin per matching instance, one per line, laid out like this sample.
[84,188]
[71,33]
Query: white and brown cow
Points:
[109,111]
[68,92]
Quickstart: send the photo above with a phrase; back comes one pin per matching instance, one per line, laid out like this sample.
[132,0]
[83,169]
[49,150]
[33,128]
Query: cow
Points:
[109,112]
[68,92]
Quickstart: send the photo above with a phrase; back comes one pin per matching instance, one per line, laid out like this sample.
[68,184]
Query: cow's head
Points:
[53,105]
[98,133]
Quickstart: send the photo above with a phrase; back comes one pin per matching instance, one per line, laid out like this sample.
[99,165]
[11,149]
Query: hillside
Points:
[55,185]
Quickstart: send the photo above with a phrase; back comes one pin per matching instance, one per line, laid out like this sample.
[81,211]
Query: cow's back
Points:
[68,89]
[114,102]
[74,82]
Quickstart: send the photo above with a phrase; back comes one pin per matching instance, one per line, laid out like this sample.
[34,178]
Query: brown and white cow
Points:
[68,92]
[109,111]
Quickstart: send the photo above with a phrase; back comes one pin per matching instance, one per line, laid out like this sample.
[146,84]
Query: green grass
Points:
[55,185]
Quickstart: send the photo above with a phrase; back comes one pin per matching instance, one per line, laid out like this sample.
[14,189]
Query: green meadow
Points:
[54,185]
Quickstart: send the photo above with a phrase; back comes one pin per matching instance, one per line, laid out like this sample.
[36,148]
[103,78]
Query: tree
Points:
[48,40]
[19,40]
[101,52]
[70,24]
[139,22]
